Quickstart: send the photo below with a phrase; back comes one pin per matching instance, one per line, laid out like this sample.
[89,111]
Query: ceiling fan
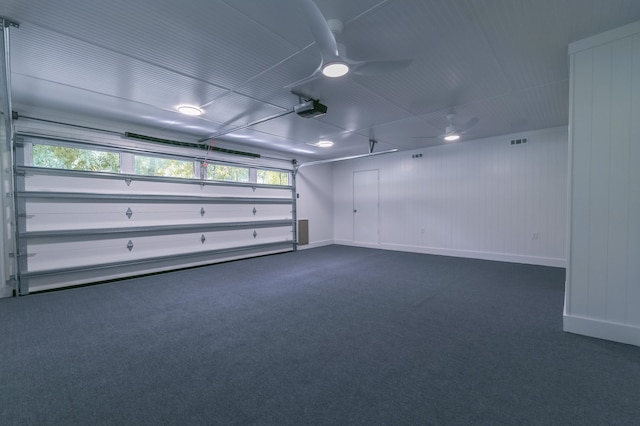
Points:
[453,132]
[333,59]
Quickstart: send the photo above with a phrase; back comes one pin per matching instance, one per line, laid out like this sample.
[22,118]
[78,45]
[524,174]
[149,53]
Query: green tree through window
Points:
[157,166]
[64,157]
[272,177]
[227,173]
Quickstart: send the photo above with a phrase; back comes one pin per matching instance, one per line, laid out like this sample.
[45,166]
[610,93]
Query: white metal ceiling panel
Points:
[452,62]
[270,86]
[286,18]
[235,110]
[37,94]
[206,40]
[50,56]
[529,61]
[513,112]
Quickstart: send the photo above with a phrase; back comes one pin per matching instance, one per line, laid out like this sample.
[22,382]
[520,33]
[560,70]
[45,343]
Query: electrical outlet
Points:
[535,236]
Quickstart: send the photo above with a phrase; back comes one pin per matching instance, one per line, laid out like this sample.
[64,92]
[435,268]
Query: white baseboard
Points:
[500,257]
[617,332]
[316,244]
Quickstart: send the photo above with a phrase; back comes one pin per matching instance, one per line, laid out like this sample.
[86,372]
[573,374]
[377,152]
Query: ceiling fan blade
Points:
[380,67]
[428,137]
[468,125]
[320,29]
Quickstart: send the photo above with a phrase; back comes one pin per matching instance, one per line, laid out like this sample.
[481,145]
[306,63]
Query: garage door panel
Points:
[59,254]
[128,185]
[80,227]
[47,216]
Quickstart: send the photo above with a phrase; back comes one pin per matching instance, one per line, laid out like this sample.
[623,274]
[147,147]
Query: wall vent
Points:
[519,141]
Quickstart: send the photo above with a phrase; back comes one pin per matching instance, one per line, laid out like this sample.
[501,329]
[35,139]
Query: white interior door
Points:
[365,207]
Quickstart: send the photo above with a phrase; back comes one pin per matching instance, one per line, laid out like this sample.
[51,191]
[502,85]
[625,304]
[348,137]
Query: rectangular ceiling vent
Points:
[519,141]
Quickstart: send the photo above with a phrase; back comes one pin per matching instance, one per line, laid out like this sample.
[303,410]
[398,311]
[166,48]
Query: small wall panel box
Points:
[303,232]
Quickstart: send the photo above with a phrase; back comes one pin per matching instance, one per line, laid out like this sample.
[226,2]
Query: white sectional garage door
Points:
[79,227]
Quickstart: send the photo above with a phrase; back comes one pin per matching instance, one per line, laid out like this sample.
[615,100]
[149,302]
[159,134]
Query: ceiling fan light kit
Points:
[453,132]
[335,69]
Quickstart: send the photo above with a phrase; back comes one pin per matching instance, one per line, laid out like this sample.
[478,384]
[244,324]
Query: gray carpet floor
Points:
[333,335]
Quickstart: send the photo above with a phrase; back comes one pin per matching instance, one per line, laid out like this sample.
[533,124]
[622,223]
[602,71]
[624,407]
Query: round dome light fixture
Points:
[335,69]
[452,137]
[324,144]
[189,110]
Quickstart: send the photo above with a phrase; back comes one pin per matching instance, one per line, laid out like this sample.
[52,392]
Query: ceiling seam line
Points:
[366,12]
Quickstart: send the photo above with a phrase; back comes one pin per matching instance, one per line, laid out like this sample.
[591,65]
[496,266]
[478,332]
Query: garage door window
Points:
[272,177]
[69,158]
[227,173]
[168,167]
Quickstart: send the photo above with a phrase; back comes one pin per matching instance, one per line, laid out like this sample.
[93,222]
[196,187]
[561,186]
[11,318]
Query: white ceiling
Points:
[503,61]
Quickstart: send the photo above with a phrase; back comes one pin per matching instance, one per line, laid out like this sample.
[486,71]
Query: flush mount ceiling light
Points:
[335,69]
[189,110]
[324,144]
[452,137]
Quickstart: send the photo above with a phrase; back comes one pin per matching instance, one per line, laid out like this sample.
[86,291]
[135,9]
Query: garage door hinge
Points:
[22,254]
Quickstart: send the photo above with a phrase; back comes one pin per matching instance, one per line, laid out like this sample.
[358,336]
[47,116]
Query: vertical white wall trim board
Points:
[619,184]
[633,228]
[483,199]
[598,175]
[603,277]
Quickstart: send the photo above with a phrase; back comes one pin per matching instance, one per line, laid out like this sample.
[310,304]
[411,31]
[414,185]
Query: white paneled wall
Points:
[603,279]
[484,199]
[315,203]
